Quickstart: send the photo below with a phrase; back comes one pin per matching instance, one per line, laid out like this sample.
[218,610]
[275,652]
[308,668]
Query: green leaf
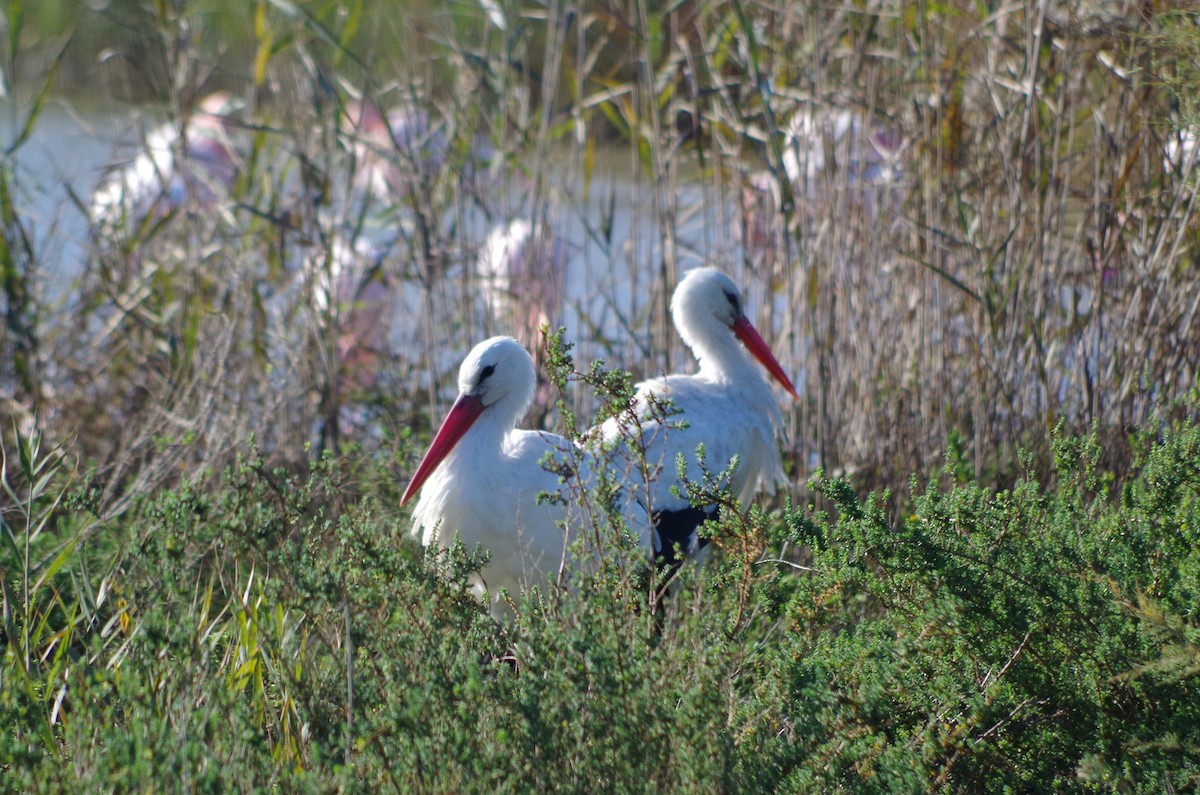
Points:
[15,14]
[39,101]
[353,19]
[61,559]
[655,32]
[611,112]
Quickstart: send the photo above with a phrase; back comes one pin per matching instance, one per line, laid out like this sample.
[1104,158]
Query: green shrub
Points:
[257,634]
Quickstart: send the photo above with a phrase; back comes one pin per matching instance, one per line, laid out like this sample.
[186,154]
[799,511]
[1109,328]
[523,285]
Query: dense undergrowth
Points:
[256,631]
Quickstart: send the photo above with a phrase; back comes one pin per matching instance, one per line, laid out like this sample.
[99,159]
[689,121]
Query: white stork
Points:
[481,478]
[522,268]
[351,294]
[727,406]
[396,152]
[196,162]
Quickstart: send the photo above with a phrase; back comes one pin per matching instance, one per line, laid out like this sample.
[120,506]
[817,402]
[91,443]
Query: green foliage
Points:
[261,631]
[18,276]
[1176,60]
[997,642]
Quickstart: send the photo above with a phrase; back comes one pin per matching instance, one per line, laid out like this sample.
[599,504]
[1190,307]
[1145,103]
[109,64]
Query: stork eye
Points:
[487,371]
[733,301]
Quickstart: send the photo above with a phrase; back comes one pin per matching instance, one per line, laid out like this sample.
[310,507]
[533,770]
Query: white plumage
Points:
[867,155]
[1180,151]
[200,165]
[727,406]
[350,293]
[481,478]
[521,269]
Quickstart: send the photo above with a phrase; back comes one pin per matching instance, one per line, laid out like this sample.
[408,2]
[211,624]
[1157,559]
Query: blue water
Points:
[607,304]
[54,171]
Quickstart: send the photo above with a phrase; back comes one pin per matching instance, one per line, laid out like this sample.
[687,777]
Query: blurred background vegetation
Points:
[121,50]
[984,578]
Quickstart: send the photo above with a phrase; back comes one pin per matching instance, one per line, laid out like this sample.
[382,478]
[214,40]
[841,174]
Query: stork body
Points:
[521,269]
[392,150]
[396,152]
[1180,152]
[727,407]
[197,163]
[350,291]
[481,478]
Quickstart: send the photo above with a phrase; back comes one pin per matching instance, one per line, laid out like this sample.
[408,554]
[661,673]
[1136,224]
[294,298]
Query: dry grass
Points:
[1032,262]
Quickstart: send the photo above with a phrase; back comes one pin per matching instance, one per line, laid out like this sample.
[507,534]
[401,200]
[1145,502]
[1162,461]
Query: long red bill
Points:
[754,343]
[462,415]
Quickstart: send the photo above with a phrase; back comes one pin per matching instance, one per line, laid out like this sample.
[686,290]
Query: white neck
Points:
[721,355]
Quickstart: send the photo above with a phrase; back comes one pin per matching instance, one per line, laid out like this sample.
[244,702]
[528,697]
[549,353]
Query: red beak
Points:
[462,416]
[754,343]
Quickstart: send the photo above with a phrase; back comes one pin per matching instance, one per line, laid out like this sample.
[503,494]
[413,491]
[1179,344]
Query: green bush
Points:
[1011,641]
[260,633]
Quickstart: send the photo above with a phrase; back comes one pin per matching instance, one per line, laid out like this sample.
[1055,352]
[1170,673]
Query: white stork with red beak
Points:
[481,478]
[727,407]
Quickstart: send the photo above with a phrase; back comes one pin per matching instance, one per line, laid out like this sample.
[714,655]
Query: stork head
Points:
[499,371]
[496,378]
[703,296]
[705,306]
